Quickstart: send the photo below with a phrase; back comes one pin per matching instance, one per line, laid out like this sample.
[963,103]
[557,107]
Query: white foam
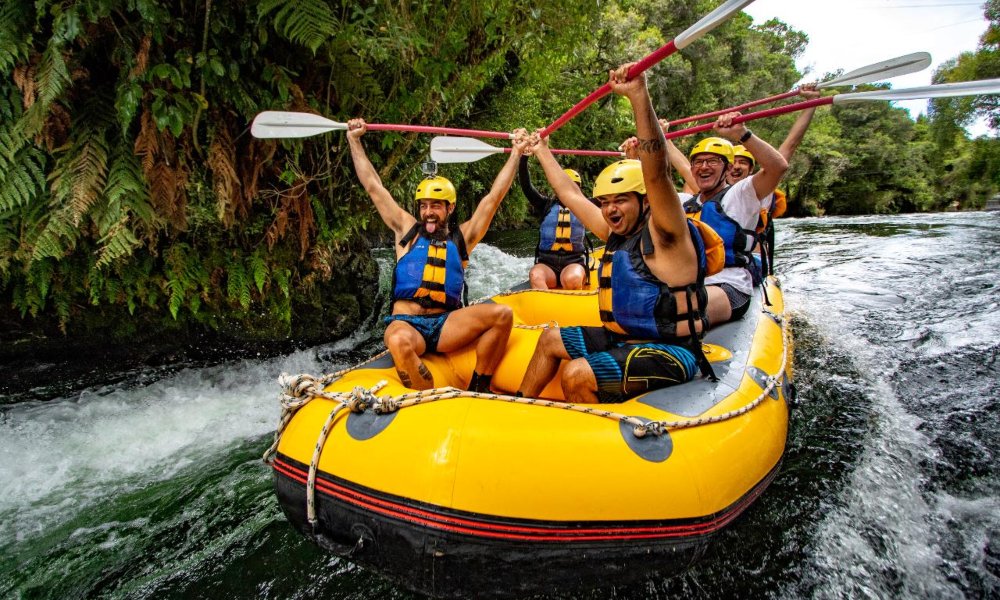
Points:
[61,455]
[492,271]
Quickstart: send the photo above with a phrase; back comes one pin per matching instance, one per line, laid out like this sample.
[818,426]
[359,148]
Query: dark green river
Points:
[150,485]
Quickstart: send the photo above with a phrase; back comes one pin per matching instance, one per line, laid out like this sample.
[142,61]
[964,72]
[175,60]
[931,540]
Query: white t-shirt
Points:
[742,205]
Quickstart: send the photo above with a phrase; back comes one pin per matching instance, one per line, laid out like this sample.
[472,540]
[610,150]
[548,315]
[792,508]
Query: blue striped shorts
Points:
[625,369]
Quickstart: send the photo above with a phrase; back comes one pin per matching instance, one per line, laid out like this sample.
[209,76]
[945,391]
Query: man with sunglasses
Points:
[732,210]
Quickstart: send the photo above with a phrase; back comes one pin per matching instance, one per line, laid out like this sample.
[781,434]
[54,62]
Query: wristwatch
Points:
[746,136]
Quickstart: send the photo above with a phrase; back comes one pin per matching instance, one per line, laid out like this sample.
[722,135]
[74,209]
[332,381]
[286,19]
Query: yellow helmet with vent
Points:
[436,188]
[573,175]
[714,145]
[742,151]
[619,178]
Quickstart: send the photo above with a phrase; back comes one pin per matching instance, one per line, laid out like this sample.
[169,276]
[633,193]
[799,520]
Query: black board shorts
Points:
[557,261]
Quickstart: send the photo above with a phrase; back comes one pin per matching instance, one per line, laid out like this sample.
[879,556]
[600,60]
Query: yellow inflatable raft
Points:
[459,496]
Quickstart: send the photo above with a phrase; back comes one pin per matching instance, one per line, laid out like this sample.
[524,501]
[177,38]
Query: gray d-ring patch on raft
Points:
[654,448]
[366,425]
[760,378]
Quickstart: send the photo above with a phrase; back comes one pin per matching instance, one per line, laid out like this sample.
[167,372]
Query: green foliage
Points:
[306,22]
[128,182]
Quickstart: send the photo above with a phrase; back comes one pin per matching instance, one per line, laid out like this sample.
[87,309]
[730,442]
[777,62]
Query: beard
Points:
[440,232]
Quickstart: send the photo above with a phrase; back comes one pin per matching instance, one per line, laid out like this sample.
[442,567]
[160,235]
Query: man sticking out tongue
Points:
[429,278]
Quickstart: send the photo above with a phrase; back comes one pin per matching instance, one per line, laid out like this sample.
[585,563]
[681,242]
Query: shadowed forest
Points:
[135,205]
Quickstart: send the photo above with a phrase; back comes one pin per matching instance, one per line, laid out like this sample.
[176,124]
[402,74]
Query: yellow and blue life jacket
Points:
[432,272]
[635,304]
[739,242]
[561,231]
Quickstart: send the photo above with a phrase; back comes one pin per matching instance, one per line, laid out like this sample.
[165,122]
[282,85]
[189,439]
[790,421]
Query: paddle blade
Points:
[709,22]
[447,149]
[944,90]
[282,124]
[894,67]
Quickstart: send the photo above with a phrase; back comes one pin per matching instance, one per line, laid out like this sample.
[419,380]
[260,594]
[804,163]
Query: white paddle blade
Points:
[447,149]
[709,22]
[282,124]
[944,90]
[894,67]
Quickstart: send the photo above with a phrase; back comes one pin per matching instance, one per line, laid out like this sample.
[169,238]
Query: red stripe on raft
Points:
[522,533]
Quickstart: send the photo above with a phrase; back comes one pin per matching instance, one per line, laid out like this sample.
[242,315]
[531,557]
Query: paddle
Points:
[284,124]
[944,90]
[894,67]
[465,150]
[686,37]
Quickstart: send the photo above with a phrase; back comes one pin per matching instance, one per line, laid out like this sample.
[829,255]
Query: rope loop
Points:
[656,428]
[385,405]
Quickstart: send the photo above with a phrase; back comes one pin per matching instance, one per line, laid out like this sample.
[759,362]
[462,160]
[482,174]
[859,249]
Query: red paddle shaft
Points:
[741,107]
[441,130]
[637,69]
[771,112]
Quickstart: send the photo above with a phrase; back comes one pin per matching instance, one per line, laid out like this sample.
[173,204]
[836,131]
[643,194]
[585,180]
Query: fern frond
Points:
[126,186]
[15,36]
[222,163]
[176,289]
[259,271]
[22,180]
[306,22]
[237,285]
[52,79]
[57,237]
[118,242]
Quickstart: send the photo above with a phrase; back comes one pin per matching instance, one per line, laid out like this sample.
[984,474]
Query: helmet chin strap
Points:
[718,183]
[643,212]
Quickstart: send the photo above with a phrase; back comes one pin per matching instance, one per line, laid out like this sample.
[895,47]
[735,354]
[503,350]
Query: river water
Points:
[151,485]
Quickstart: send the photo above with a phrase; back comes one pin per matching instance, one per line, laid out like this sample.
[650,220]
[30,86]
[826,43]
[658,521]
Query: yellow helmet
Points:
[573,175]
[619,178]
[714,145]
[741,151]
[436,188]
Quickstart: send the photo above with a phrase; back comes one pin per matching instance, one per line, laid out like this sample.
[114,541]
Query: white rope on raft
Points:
[299,390]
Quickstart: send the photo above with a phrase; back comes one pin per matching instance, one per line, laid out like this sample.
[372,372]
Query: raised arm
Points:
[567,191]
[666,213]
[801,124]
[394,216]
[772,164]
[679,161]
[475,228]
[537,200]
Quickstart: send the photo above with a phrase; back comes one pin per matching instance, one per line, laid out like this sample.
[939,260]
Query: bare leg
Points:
[719,308]
[487,324]
[544,363]
[542,277]
[579,383]
[572,277]
[406,346]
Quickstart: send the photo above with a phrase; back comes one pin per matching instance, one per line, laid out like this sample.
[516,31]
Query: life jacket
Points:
[779,205]
[765,230]
[635,303]
[561,231]
[432,272]
[739,242]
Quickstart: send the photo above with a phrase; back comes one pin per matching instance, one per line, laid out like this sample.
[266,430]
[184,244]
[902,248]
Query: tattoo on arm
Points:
[404,378]
[651,145]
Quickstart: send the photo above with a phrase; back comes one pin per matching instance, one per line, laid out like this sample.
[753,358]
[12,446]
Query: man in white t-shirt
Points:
[732,210]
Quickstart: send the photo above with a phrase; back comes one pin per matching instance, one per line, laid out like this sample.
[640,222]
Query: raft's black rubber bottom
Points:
[454,554]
